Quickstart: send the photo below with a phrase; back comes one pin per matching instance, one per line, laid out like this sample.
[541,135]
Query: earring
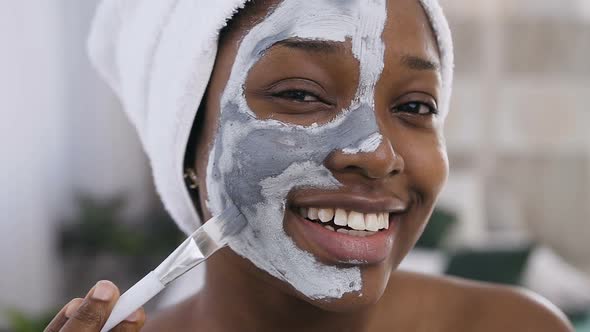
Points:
[191,177]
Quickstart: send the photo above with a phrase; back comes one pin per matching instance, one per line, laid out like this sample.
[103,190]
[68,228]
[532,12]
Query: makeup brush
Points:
[205,241]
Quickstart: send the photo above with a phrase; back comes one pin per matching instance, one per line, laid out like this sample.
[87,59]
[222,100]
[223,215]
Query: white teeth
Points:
[312,214]
[303,212]
[357,233]
[385,222]
[340,217]
[356,221]
[372,223]
[329,227]
[352,232]
[380,220]
[326,215]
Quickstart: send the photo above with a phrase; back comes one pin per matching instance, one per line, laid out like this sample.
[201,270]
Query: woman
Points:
[322,122]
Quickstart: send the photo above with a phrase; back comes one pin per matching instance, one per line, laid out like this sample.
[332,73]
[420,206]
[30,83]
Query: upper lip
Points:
[365,203]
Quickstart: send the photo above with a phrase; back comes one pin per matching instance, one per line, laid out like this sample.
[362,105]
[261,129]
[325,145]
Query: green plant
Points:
[99,227]
[20,322]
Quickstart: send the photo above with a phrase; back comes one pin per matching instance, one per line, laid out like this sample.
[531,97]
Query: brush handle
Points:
[133,299]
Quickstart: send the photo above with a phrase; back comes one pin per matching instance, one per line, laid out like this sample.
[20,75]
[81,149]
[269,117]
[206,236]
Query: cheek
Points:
[426,171]
[427,166]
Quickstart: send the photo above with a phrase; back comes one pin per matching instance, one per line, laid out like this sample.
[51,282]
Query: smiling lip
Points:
[364,204]
[335,247]
[342,248]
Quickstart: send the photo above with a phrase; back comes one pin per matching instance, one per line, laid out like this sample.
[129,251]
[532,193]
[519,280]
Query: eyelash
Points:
[290,95]
[430,109]
[295,95]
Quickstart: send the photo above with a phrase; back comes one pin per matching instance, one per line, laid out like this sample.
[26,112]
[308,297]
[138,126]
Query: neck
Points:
[238,296]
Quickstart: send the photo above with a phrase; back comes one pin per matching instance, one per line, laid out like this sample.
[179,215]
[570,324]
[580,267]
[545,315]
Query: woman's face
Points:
[320,125]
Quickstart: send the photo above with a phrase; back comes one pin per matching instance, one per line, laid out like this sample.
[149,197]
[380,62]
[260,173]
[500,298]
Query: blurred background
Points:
[76,186]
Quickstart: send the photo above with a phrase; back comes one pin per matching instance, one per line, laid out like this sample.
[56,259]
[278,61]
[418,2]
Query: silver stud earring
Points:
[191,177]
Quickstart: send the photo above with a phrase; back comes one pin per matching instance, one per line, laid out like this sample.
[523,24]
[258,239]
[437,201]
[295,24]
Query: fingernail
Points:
[103,291]
[134,317]
[71,309]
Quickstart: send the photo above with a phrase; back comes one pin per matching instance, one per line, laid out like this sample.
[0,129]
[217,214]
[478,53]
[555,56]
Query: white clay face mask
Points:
[255,163]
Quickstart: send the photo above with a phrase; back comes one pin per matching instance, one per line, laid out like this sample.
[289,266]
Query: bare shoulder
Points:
[461,305]
[514,308]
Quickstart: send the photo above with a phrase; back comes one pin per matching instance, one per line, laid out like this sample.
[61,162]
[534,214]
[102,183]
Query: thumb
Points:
[94,310]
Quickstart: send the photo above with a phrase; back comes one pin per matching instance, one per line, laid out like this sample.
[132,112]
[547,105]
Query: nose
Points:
[376,164]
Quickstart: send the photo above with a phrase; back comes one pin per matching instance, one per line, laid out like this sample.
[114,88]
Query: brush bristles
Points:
[229,223]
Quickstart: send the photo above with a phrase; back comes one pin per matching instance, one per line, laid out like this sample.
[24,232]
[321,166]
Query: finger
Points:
[133,323]
[94,310]
[62,316]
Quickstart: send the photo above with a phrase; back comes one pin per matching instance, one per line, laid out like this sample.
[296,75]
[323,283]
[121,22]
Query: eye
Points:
[416,107]
[301,96]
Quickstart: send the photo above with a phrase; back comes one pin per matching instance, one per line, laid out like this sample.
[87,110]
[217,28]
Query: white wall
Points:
[31,145]
[519,119]
[62,132]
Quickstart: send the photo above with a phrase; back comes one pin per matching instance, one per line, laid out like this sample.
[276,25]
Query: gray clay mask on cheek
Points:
[256,163]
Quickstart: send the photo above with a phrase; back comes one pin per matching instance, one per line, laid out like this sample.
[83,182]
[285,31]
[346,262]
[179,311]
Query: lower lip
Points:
[348,249]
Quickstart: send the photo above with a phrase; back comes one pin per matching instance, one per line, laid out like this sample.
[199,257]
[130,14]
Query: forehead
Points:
[408,31]
[405,29]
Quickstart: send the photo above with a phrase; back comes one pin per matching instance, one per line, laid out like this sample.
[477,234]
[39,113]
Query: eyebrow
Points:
[410,61]
[419,63]
[312,45]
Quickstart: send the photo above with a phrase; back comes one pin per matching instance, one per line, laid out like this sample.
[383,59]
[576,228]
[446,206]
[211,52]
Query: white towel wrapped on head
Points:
[158,56]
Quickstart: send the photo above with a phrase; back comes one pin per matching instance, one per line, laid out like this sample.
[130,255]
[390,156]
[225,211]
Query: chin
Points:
[375,280]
